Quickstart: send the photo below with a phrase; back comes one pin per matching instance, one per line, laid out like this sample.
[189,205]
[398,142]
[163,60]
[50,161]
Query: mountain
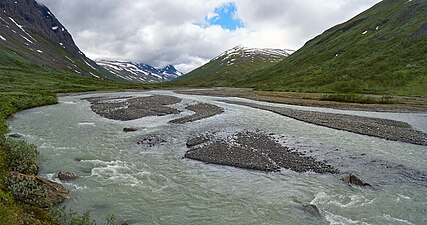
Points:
[31,35]
[382,50]
[233,66]
[140,72]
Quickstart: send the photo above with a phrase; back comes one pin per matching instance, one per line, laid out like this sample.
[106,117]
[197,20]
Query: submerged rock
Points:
[351,178]
[311,209]
[67,176]
[151,141]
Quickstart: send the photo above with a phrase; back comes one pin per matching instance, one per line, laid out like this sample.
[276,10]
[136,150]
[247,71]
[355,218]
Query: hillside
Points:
[232,66]
[382,50]
[31,35]
[140,72]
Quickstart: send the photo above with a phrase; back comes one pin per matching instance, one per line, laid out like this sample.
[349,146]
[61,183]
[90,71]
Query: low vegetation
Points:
[357,98]
[24,85]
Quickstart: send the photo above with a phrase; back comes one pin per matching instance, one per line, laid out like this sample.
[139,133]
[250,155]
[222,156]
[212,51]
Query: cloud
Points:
[165,32]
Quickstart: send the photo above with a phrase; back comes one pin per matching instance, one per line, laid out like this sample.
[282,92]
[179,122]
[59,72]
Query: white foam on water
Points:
[342,201]
[116,171]
[86,123]
[341,220]
[393,219]
[67,102]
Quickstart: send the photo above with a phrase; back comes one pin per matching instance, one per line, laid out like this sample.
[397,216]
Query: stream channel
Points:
[156,185]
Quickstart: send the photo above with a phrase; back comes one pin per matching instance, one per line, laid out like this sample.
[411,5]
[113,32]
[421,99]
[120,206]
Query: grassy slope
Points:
[220,74]
[25,85]
[388,60]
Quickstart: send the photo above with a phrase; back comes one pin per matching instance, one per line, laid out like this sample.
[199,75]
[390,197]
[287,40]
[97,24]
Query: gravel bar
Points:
[382,128]
[202,111]
[130,108]
[252,150]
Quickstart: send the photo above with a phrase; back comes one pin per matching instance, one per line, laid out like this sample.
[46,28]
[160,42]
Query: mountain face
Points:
[30,33]
[233,66]
[382,50]
[139,72]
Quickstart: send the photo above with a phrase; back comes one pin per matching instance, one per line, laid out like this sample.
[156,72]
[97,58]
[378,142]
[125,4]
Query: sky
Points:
[188,33]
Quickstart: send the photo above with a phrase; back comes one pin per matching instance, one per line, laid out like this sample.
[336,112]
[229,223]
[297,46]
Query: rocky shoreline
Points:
[381,128]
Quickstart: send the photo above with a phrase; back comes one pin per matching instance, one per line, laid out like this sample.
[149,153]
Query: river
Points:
[157,186]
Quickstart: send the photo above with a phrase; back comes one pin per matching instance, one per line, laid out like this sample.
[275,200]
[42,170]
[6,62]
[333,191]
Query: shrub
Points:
[22,157]
[26,189]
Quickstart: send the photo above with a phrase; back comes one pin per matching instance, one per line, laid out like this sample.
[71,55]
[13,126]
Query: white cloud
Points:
[164,32]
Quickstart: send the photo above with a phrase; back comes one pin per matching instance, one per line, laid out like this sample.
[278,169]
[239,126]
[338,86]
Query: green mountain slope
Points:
[232,66]
[383,50]
[30,31]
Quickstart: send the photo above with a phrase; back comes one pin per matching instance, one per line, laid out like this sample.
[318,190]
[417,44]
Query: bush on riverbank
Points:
[22,157]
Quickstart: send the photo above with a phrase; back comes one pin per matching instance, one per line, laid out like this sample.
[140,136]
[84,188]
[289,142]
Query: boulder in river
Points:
[352,178]
[129,129]
[67,176]
[15,135]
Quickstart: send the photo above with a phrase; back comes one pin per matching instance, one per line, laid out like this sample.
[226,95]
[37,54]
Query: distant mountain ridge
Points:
[30,31]
[233,65]
[140,72]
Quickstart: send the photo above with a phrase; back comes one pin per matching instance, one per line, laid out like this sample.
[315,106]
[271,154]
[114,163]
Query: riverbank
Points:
[355,102]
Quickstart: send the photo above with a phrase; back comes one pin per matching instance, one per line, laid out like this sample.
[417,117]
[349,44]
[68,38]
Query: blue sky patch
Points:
[224,16]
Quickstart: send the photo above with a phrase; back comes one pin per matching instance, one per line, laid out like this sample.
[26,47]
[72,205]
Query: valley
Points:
[334,132]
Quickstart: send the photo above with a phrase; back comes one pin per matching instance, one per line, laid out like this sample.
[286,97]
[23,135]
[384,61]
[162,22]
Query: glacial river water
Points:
[157,186]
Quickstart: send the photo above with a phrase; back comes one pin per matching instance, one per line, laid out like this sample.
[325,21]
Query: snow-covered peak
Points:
[140,72]
[245,52]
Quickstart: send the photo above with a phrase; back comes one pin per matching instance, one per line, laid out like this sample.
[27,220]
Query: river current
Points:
[157,186]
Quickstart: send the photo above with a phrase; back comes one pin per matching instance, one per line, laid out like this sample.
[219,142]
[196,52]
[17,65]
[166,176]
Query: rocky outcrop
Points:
[353,179]
[36,190]
[65,176]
